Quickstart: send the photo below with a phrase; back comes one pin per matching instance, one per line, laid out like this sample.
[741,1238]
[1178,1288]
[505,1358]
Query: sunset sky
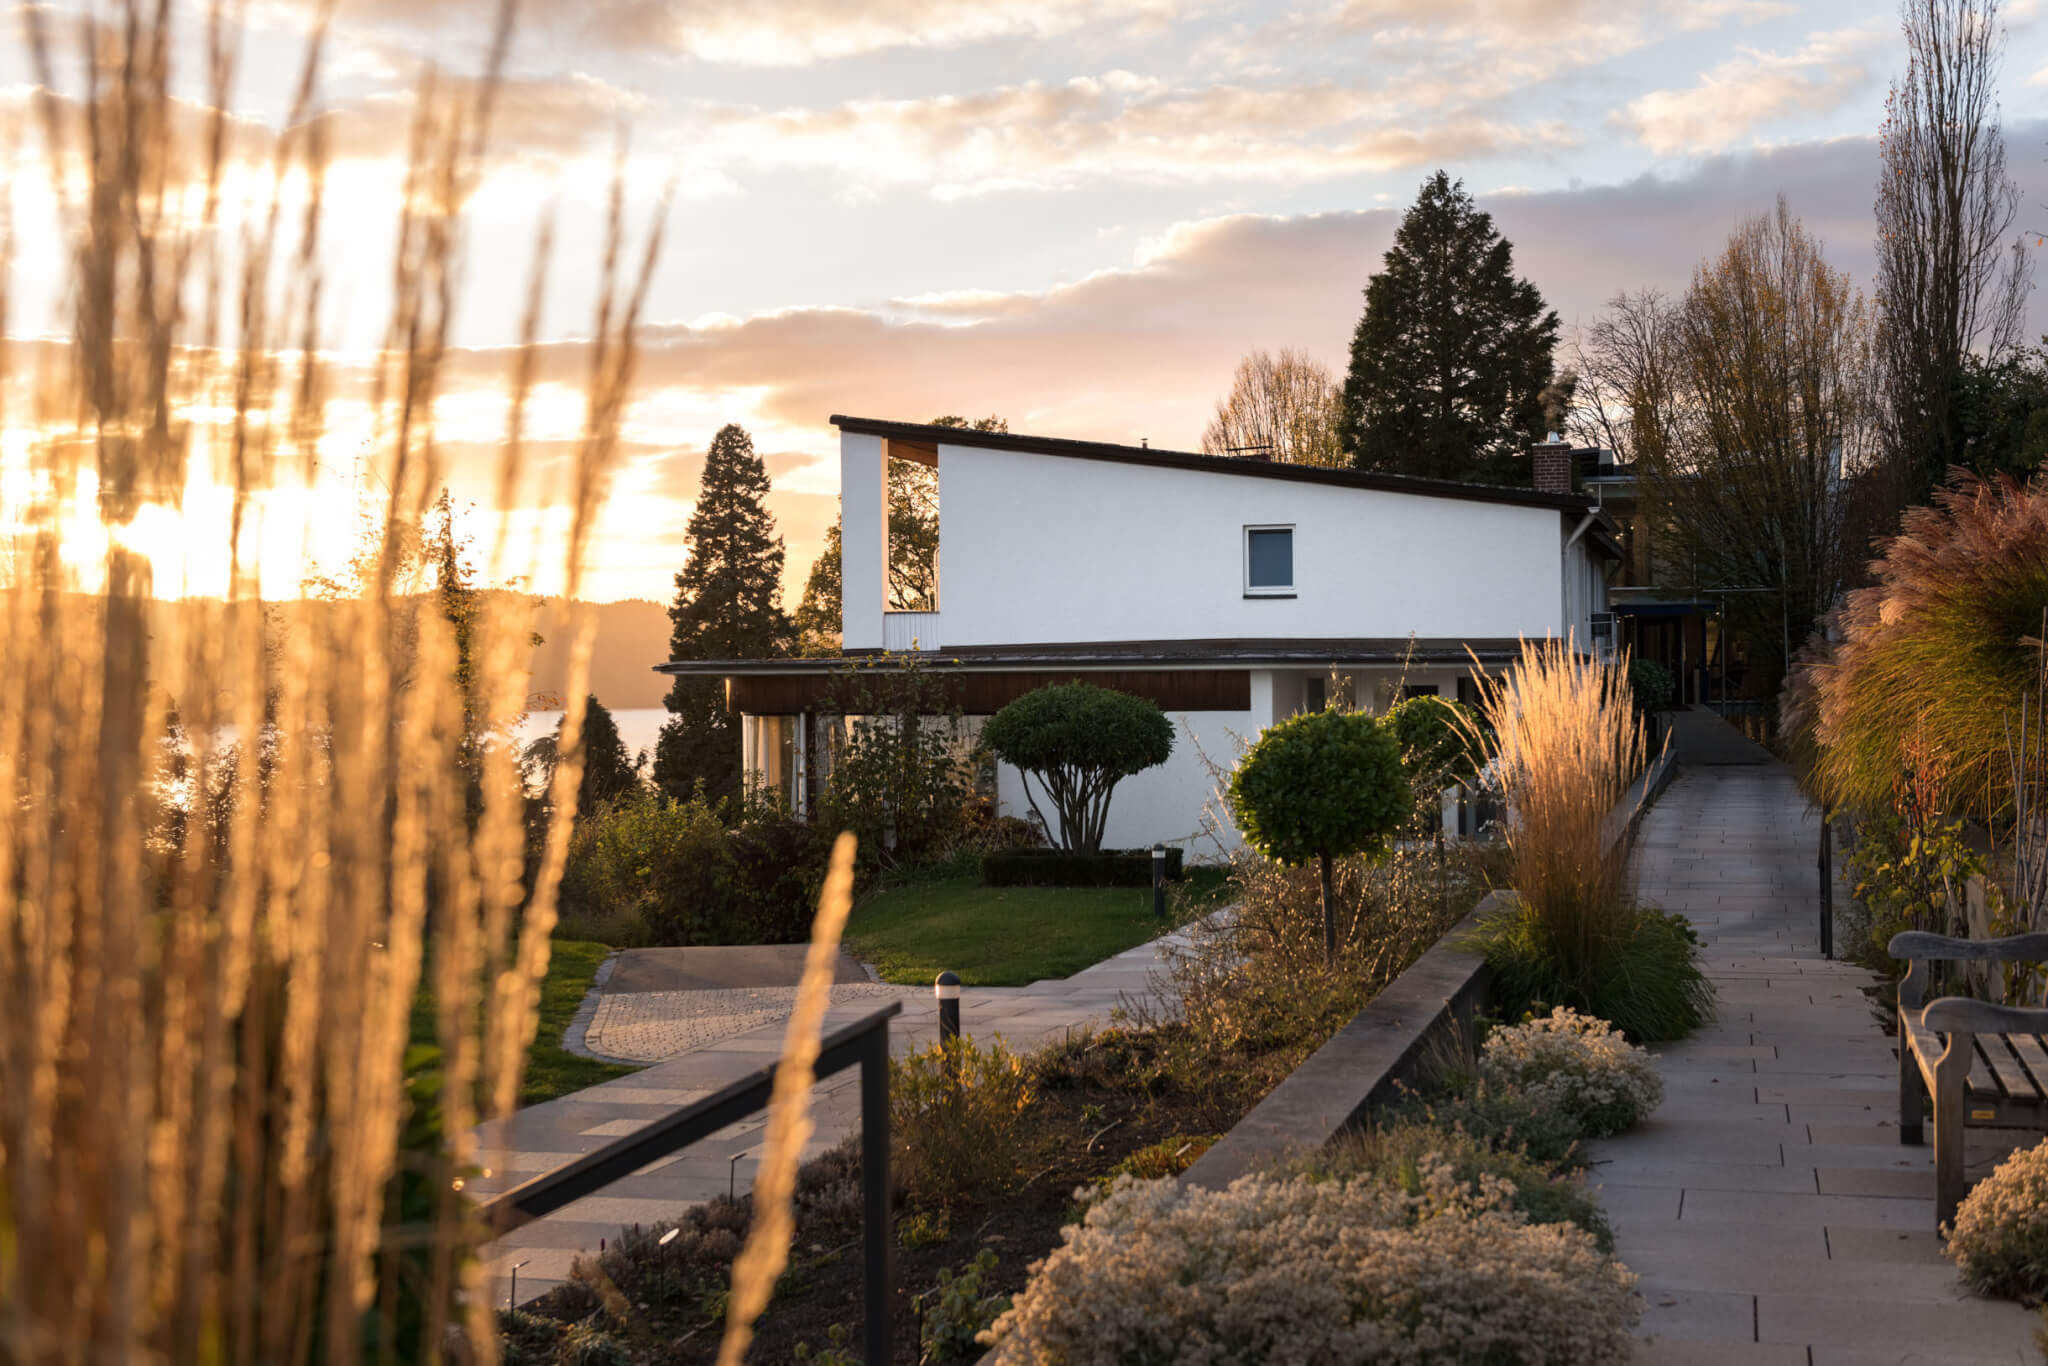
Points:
[1075,213]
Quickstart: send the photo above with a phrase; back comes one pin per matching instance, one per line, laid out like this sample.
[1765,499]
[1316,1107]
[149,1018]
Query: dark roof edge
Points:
[1126,654]
[1212,464]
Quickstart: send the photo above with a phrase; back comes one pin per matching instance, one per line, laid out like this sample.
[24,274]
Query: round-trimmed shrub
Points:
[1080,741]
[1650,685]
[1578,1065]
[1319,786]
[1319,1272]
[2000,1238]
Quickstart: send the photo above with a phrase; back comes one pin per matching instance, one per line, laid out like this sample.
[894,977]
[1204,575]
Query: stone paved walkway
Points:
[542,1137]
[1767,1206]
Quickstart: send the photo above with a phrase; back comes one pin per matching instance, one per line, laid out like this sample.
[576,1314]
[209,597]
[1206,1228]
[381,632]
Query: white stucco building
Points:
[1233,592]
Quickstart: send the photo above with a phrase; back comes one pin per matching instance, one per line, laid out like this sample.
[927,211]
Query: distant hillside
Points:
[632,637]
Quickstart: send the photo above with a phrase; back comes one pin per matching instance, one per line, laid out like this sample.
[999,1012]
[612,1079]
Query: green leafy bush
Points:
[1059,868]
[2000,1239]
[956,1311]
[1399,1152]
[1080,741]
[677,869]
[1502,1117]
[1646,979]
[1440,746]
[1303,1270]
[1321,786]
[1650,685]
[1578,1066]
[953,1112]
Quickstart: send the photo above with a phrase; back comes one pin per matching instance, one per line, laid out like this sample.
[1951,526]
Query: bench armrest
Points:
[1916,945]
[1961,1015]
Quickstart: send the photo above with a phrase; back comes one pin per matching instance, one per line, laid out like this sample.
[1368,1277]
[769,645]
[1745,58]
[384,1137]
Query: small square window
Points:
[1269,561]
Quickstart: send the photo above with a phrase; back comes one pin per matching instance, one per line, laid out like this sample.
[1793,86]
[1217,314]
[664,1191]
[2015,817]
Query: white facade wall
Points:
[863,540]
[1053,549]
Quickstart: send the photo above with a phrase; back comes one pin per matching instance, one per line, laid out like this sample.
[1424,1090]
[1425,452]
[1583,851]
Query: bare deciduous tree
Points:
[1951,275]
[1283,407]
[1742,405]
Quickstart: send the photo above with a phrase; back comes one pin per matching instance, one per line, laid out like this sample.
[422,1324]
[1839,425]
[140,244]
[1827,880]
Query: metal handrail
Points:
[865,1042]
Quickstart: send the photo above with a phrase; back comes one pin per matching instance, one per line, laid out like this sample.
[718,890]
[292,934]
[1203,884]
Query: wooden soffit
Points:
[983,693]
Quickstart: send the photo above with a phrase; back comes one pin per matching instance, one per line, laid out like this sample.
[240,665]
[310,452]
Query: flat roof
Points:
[925,434]
[1133,654]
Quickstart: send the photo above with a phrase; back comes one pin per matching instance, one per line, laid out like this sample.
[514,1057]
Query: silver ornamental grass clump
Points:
[1319,1272]
[2000,1238]
[1578,1065]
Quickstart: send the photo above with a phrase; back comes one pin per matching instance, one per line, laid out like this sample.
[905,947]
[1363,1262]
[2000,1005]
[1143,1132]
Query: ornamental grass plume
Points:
[1566,743]
[232,848]
[1935,654]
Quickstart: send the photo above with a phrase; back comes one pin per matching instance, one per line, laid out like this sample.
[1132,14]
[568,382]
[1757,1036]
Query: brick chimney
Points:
[1551,463]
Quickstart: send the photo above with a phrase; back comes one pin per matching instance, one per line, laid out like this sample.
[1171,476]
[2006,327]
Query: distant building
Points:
[1232,592]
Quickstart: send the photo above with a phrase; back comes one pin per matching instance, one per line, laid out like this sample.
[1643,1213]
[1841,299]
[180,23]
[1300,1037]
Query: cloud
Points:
[792,33]
[1736,96]
[1118,126]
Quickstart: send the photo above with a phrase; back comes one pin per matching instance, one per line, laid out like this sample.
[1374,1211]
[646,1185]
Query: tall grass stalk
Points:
[761,1261]
[209,945]
[1566,743]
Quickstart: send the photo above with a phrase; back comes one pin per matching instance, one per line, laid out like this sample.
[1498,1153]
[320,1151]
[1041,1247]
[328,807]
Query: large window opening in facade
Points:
[912,583]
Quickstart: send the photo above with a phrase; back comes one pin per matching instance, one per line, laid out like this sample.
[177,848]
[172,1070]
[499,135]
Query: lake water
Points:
[639,727]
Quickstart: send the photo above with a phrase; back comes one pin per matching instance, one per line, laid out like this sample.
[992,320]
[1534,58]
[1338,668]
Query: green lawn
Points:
[1004,936]
[551,1070]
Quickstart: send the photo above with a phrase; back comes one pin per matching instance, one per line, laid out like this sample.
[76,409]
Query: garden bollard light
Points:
[947,989]
[1159,881]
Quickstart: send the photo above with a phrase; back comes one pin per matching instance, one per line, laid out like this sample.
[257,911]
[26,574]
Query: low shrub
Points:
[1060,868]
[1578,1066]
[1643,976]
[1501,1117]
[1319,1271]
[682,874]
[1651,686]
[2000,1238]
[953,1314]
[1399,1152]
[953,1112]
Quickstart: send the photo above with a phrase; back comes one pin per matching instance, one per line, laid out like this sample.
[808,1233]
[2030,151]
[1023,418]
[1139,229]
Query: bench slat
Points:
[2012,1078]
[2034,1057]
[1980,1086]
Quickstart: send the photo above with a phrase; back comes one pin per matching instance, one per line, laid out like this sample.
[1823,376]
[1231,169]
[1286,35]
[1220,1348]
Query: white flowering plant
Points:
[1319,1273]
[1577,1065]
[2000,1237]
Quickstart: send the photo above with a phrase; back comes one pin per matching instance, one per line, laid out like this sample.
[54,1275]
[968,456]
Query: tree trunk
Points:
[1329,916]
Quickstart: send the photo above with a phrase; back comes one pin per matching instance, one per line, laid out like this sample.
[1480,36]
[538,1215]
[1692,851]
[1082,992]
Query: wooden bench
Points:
[1985,1065]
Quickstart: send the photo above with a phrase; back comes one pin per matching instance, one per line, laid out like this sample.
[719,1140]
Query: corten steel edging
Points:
[593,1171]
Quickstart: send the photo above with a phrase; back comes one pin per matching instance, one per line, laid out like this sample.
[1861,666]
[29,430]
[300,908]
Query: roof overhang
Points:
[1127,655]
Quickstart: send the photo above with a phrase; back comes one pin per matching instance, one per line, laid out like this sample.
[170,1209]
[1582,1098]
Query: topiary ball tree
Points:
[1440,745]
[1080,740]
[1321,786]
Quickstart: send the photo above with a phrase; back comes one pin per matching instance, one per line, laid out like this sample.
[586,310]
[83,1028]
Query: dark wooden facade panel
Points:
[985,693]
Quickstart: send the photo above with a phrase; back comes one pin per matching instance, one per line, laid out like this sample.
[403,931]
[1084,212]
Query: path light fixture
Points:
[947,989]
[1159,881]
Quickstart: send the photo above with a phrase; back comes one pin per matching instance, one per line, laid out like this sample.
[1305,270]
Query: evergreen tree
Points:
[608,771]
[1451,363]
[818,616]
[728,606]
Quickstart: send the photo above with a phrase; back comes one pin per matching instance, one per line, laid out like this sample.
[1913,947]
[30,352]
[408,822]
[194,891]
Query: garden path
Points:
[1767,1206]
[543,1137]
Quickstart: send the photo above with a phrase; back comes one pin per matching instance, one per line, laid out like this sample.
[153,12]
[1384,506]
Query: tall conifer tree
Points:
[728,606]
[1451,363]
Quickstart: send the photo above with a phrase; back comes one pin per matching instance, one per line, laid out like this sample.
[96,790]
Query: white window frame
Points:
[1268,590]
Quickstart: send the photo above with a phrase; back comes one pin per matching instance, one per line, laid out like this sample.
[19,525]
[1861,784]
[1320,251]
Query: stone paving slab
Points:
[1802,1231]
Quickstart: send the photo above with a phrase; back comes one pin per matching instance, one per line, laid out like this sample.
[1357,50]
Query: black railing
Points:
[865,1043]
